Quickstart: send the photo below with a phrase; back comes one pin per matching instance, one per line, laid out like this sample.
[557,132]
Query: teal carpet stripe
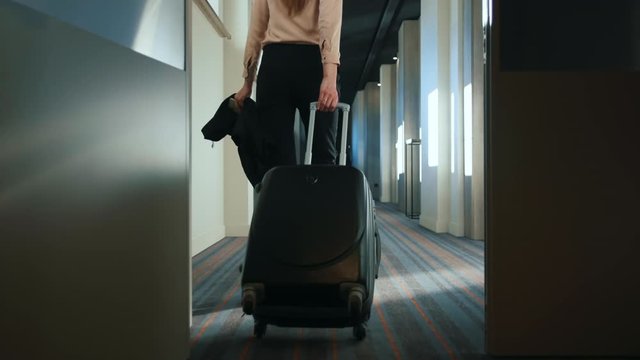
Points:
[428,303]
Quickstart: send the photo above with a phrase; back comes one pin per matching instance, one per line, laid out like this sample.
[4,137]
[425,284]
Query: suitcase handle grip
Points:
[345,127]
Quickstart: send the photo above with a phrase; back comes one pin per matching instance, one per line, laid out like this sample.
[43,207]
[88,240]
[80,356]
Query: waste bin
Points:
[412,178]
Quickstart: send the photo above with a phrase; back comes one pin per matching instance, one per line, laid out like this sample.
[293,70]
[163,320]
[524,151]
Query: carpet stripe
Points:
[390,338]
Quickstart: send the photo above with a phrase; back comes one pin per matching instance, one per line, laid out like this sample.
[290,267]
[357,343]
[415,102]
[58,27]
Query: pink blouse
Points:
[318,23]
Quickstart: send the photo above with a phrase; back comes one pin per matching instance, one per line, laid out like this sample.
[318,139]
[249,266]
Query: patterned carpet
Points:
[428,303]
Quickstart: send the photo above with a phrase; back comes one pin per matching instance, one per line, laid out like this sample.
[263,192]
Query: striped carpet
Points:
[428,303]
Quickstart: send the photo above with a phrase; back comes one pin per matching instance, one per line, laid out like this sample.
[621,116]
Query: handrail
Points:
[213,18]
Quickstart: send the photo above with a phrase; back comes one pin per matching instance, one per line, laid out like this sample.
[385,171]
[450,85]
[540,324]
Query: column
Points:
[408,96]
[388,134]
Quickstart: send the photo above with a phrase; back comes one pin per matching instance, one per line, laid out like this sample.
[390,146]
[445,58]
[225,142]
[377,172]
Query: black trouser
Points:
[289,79]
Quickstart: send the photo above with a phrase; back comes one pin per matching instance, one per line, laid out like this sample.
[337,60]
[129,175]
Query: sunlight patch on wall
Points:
[452,136]
[400,152]
[468,130]
[145,37]
[420,154]
[432,128]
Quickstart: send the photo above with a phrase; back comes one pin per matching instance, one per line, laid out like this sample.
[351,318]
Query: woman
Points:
[300,40]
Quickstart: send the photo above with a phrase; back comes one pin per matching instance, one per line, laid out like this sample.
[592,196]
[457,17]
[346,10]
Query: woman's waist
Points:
[291,52]
[291,45]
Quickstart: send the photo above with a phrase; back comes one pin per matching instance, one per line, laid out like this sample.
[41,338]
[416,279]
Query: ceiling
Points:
[369,39]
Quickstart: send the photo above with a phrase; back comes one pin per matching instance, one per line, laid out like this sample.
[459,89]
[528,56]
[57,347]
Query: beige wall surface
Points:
[563,194]
[207,163]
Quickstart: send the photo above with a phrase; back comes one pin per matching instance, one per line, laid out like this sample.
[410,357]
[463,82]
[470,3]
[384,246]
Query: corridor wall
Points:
[238,202]
[207,161]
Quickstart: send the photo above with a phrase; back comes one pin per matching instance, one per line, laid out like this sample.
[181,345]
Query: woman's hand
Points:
[243,93]
[328,99]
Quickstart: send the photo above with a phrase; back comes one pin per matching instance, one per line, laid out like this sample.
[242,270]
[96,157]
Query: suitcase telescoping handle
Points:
[345,127]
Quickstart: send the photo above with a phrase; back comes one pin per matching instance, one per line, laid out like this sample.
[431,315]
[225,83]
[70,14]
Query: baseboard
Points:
[456,229]
[433,224]
[237,230]
[203,241]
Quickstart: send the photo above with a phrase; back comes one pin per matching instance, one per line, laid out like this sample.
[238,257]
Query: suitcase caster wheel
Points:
[259,329]
[359,332]
[355,305]
[249,302]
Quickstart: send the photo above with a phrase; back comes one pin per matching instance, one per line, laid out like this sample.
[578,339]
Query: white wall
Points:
[456,125]
[238,201]
[207,163]
[434,114]
[452,118]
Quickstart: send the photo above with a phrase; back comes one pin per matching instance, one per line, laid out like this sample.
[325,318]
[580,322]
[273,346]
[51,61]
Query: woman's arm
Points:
[328,98]
[330,26]
[255,36]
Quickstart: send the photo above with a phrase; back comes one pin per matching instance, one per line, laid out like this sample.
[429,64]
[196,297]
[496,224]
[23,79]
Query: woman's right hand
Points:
[328,98]
[243,93]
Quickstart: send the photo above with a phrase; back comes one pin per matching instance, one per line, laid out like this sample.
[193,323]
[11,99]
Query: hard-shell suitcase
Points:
[313,250]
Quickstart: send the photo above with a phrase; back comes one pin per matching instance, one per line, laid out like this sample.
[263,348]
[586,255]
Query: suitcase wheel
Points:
[259,329]
[249,302]
[359,332]
[252,294]
[355,305]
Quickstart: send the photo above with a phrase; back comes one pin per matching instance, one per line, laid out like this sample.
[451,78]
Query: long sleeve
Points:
[257,33]
[330,24]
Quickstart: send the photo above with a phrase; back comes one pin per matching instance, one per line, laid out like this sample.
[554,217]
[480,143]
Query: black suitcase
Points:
[313,250]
